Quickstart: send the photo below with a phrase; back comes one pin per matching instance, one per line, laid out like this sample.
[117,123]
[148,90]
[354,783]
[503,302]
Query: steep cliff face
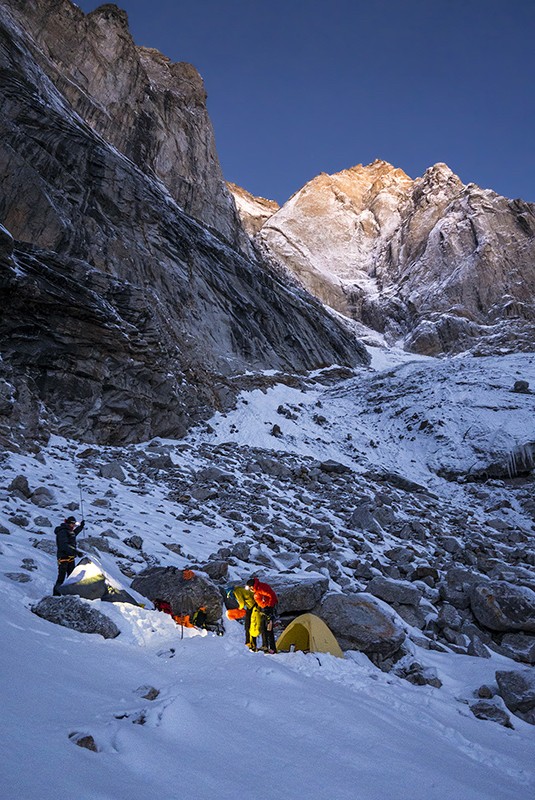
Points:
[122,317]
[446,266]
[151,109]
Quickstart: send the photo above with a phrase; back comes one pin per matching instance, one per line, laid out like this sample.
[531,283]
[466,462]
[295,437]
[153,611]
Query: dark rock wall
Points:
[151,109]
[122,317]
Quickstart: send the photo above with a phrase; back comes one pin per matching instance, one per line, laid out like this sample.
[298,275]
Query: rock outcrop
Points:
[445,265]
[253,211]
[123,317]
[73,612]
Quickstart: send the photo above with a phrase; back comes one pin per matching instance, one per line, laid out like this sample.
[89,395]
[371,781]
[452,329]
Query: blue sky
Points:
[299,87]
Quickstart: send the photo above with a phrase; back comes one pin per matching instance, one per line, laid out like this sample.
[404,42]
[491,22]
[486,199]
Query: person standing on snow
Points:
[245,600]
[66,534]
[266,600]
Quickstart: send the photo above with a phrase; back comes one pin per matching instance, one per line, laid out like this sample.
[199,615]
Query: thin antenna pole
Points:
[81,496]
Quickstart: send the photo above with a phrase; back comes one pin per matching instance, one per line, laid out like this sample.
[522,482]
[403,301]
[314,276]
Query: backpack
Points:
[199,618]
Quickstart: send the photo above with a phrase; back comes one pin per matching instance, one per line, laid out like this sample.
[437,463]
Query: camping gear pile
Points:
[183,594]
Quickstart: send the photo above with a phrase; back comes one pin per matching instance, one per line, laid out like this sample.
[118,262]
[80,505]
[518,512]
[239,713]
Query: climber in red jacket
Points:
[266,600]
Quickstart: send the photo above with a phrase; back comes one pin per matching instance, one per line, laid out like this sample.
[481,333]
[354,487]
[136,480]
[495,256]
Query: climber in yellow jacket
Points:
[246,601]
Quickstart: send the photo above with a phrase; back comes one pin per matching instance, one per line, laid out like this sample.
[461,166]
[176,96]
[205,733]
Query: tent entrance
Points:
[298,639]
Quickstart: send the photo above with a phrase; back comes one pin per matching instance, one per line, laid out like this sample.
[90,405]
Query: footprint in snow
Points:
[166,653]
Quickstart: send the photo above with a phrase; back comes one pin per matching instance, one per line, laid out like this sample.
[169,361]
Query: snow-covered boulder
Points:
[20,486]
[500,606]
[518,692]
[43,497]
[215,474]
[113,470]
[73,612]
[485,709]
[394,591]
[90,581]
[298,595]
[360,622]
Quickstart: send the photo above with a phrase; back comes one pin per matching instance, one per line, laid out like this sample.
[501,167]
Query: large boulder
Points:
[184,590]
[298,595]
[501,606]
[360,622]
[517,690]
[457,584]
[394,591]
[519,647]
[73,612]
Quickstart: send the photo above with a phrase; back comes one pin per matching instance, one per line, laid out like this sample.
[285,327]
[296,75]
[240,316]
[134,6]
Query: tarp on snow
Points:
[90,581]
[309,633]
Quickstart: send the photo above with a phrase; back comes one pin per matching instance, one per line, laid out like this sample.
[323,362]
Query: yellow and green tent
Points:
[309,633]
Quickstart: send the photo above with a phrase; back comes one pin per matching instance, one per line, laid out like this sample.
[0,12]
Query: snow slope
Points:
[227,722]
[419,414]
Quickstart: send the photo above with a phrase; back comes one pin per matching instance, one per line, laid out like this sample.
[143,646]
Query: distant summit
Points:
[442,266]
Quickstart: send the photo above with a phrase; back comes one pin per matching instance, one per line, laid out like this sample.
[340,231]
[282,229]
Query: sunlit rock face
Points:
[123,317]
[253,211]
[441,265]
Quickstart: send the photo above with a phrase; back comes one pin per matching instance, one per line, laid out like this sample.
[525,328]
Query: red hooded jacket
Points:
[264,595]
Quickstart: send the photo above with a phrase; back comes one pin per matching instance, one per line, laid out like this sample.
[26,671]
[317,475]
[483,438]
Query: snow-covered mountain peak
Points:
[426,261]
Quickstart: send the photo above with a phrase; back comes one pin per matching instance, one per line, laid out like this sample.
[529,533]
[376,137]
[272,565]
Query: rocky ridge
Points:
[446,267]
[253,211]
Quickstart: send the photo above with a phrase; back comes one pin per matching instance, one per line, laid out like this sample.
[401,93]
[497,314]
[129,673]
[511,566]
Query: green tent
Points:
[309,633]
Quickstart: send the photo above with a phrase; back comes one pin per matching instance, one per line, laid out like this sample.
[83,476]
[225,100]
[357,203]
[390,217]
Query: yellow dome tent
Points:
[309,633]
